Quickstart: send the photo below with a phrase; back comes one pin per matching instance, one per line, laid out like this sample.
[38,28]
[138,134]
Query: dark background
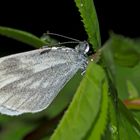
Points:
[62,17]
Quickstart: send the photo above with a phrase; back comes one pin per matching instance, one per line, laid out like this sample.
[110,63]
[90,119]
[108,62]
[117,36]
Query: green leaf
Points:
[22,36]
[124,74]
[125,51]
[128,126]
[88,13]
[101,121]
[136,115]
[111,132]
[119,70]
[88,101]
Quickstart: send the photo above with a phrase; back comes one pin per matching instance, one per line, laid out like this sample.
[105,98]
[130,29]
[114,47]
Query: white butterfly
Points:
[30,81]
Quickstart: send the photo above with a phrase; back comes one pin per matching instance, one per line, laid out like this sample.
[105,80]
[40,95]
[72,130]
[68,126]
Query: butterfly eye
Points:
[82,47]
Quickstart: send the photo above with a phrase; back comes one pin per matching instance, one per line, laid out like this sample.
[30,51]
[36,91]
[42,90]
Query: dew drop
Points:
[81,5]
[114,130]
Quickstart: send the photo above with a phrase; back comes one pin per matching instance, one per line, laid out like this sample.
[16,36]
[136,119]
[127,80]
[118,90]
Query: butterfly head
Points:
[82,47]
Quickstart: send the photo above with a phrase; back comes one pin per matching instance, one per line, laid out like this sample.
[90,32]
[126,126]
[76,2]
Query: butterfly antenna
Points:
[70,38]
[63,43]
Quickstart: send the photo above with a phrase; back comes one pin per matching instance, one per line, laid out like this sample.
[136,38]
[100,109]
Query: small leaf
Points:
[48,39]
[88,100]
[88,13]
[22,36]
[132,103]
[132,91]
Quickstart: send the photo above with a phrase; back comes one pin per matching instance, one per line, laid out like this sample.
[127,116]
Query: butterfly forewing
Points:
[30,81]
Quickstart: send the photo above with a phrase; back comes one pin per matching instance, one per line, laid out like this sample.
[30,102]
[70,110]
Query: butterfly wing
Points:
[30,81]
